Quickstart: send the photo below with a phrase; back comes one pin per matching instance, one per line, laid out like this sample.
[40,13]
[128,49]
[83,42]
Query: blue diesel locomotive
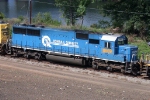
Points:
[93,49]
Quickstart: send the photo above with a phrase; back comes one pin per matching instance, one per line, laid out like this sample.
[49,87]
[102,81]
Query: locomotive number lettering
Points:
[107,51]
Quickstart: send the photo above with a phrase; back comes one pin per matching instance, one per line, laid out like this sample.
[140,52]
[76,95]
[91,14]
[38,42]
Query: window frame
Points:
[107,45]
[94,41]
[33,32]
[82,36]
[19,30]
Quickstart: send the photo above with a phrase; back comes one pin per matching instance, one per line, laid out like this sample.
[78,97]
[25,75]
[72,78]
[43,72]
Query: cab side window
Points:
[108,45]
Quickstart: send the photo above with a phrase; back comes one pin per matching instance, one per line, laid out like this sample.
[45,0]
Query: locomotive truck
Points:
[111,51]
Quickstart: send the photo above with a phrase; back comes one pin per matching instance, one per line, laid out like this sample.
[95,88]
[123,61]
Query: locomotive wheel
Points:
[3,49]
[89,63]
[134,70]
[84,62]
[95,66]
[123,70]
[15,54]
[27,56]
[109,68]
[37,57]
[24,55]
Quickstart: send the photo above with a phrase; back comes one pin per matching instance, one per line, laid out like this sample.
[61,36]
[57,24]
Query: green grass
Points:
[78,27]
[143,47]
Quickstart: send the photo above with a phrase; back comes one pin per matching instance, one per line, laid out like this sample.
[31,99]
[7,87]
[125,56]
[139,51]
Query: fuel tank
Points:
[63,59]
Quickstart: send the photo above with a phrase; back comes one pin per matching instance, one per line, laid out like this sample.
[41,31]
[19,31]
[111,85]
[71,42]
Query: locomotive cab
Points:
[130,53]
[117,54]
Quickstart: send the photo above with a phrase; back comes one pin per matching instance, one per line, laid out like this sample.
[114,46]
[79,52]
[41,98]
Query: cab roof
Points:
[111,37]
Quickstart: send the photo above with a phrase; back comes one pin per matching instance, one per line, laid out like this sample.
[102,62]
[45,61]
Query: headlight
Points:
[134,52]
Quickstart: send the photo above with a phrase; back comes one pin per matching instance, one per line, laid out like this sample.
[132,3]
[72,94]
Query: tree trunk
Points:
[142,34]
[82,21]
[71,13]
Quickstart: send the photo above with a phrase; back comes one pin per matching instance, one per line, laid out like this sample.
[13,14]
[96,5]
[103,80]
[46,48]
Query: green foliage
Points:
[81,10]
[73,9]
[142,47]
[132,15]
[21,18]
[2,16]
[12,21]
[45,18]
[101,24]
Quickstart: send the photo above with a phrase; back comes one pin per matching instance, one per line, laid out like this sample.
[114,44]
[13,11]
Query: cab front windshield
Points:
[120,41]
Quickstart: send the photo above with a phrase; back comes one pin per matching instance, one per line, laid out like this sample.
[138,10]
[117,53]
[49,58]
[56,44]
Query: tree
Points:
[132,15]
[73,9]
[45,18]
[2,15]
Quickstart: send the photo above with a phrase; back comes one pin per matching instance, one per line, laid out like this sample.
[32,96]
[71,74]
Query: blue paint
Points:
[66,41]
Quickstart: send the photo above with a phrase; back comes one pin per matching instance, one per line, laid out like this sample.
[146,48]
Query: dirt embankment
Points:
[26,80]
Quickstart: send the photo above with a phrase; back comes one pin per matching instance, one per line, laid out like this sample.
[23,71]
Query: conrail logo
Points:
[47,42]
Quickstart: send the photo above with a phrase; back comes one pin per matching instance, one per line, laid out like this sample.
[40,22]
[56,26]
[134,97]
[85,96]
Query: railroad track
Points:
[102,70]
